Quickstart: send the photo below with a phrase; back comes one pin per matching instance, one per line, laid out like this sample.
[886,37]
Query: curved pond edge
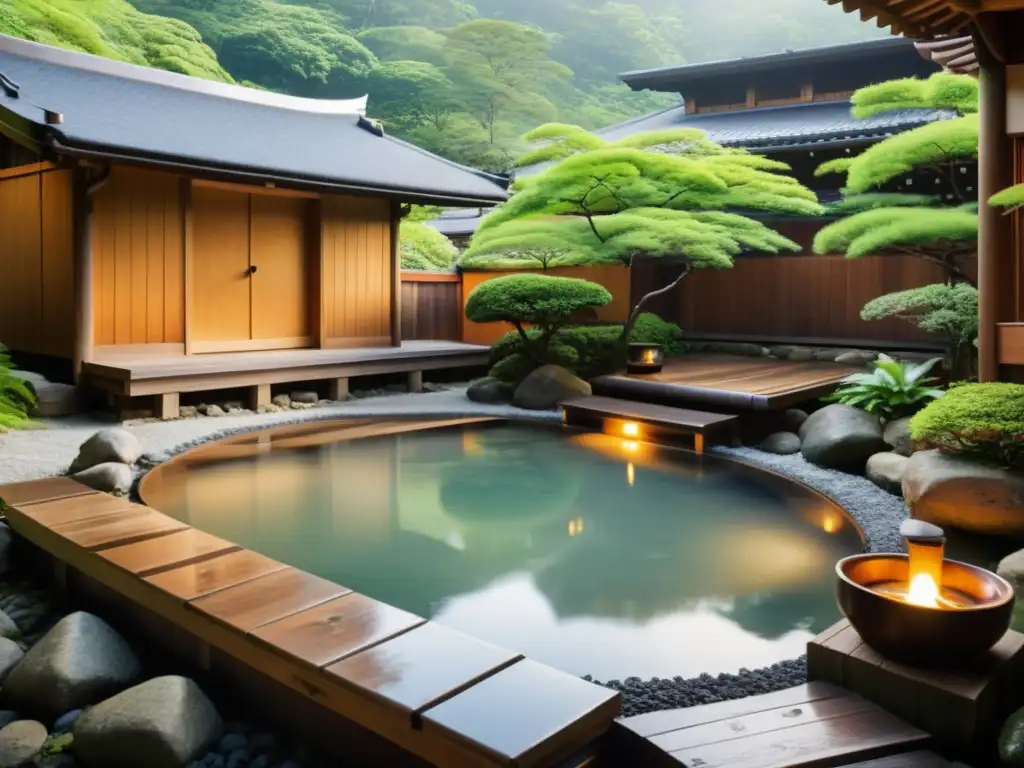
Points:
[876,513]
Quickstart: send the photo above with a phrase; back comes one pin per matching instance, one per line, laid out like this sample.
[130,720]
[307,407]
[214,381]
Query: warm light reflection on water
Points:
[596,555]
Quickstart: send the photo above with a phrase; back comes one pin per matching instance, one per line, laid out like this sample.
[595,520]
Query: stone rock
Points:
[233,405]
[489,390]
[112,444]
[108,477]
[793,419]
[396,389]
[7,627]
[841,437]
[886,471]
[79,662]
[7,717]
[54,400]
[10,655]
[212,410]
[305,397]
[166,722]
[953,491]
[281,401]
[897,435]
[737,348]
[548,386]
[188,412]
[6,545]
[1011,568]
[20,742]
[781,351]
[296,406]
[857,357]
[827,355]
[431,386]
[67,721]
[270,408]
[801,354]
[1011,740]
[782,443]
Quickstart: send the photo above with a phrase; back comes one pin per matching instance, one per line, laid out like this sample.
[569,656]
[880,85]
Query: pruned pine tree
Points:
[674,195]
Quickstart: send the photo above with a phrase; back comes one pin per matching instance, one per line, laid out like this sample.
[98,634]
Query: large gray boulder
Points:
[1011,568]
[793,419]
[10,655]
[6,545]
[857,357]
[841,437]
[548,386]
[781,443]
[114,444]
[489,390]
[108,477]
[20,742]
[8,628]
[956,492]
[886,471]
[897,436]
[79,662]
[166,722]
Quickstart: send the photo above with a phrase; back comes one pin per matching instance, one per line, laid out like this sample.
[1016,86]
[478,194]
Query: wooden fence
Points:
[431,306]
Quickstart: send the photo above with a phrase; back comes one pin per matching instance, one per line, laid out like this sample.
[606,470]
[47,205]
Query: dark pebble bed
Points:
[879,515]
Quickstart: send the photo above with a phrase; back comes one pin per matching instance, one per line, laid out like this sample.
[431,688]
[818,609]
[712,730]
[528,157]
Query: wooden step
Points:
[810,726]
[618,415]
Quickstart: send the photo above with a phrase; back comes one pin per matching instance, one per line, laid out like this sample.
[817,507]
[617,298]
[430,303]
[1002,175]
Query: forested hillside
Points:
[463,79]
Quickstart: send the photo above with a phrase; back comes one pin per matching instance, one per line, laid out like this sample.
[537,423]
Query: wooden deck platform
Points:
[166,376]
[442,696]
[729,382]
[809,726]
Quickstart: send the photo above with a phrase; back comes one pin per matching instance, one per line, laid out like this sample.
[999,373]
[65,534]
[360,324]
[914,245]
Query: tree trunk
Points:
[627,329]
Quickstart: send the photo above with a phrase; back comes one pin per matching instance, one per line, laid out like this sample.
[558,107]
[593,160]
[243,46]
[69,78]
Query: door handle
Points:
[251,271]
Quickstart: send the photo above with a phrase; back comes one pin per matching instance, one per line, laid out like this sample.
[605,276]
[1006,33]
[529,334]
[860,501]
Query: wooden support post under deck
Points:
[339,389]
[698,443]
[995,172]
[167,406]
[415,379]
[81,203]
[259,396]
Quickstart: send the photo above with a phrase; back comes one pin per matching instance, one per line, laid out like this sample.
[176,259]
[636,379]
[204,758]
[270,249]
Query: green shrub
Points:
[539,300]
[16,396]
[424,249]
[515,367]
[982,421]
[596,346]
[892,390]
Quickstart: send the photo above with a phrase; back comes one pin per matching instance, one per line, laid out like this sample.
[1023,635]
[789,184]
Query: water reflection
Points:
[594,554]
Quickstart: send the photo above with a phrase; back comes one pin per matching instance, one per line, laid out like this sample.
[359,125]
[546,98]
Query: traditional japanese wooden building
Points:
[985,37]
[169,234]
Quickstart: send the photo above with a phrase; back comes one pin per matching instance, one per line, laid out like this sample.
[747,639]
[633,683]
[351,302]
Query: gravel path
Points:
[29,455]
[49,451]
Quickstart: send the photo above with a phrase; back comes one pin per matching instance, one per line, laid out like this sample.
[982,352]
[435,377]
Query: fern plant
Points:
[892,390]
[17,398]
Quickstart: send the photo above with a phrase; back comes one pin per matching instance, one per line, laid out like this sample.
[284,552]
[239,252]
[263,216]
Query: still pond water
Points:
[582,551]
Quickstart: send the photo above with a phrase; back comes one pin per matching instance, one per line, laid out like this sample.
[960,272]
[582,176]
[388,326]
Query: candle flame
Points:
[923,591]
[629,429]
[630,473]
[648,356]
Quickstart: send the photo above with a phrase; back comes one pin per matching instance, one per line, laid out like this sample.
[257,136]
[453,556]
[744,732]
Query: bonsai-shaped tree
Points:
[668,194]
[545,302]
[942,229]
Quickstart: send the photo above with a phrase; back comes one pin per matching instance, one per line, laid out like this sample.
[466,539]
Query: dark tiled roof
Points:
[458,222]
[791,125]
[158,116]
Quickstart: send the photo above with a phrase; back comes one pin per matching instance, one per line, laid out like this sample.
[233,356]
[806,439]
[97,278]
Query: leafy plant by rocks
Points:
[424,249]
[16,397]
[893,389]
[980,421]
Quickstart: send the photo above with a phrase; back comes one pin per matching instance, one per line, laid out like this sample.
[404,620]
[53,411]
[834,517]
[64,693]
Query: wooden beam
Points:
[26,170]
[167,406]
[255,189]
[83,186]
[185,191]
[396,275]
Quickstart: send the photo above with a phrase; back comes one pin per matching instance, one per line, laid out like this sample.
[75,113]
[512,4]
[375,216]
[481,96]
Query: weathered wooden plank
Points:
[46,489]
[166,552]
[268,598]
[422,667]
[525,715]
[861,735]
[336,629]
[646,412]
[116,529]
[226,570]
[664,721]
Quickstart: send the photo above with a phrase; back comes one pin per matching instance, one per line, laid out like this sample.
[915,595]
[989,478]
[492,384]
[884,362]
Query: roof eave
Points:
[189,167]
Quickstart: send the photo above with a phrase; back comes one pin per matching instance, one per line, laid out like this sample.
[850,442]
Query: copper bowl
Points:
[919,636]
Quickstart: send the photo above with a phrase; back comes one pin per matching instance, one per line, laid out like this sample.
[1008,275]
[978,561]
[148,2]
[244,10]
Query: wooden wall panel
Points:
[37,310]
[613,277]
[138,260]
[356,271]
[280,287]
[790,297]
[432,309]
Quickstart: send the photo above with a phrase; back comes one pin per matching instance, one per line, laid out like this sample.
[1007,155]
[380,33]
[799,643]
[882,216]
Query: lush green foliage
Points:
[588,350]
[872,200]
[1011,197]
[16,397]
[942,90]
[982,421]
[892,390]
[884,229]
[535,299]
[424,249]
[115,29]
[949,311]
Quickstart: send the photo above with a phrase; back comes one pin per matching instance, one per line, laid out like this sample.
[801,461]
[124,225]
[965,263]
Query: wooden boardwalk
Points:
[809,726]
[439,694]
[727,381]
